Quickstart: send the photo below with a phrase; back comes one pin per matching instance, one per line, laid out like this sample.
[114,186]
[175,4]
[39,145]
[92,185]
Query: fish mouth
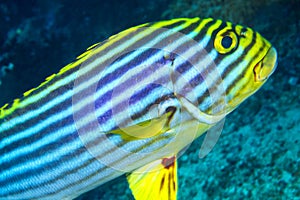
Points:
[265,68]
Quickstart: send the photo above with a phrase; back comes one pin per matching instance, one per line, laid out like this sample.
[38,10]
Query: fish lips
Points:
[265,68]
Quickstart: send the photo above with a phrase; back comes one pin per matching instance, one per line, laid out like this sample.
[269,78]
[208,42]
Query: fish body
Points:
[139,97]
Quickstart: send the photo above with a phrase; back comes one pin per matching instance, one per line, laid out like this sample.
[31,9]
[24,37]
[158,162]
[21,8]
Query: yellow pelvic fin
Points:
[155,181]
[147,128]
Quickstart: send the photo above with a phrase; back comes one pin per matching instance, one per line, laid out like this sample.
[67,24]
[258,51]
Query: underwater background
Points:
[258,153]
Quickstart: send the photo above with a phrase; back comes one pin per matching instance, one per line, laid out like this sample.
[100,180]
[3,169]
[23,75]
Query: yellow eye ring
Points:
[226,41]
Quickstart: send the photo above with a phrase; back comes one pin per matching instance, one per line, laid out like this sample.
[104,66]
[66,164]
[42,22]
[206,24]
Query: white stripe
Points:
[71,77]
[128,163]
[62,131]
[65,167]
[57,100]
[225,63]
[27,132]
[47,158]
[228,60]
[201,88]
[50,138]
[84,121]
[38,144]
[91,116]
[152,78]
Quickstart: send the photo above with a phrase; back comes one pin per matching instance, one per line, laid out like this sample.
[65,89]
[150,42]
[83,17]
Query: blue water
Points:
[258,154]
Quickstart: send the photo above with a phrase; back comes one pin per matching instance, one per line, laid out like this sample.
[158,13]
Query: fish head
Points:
[246,61]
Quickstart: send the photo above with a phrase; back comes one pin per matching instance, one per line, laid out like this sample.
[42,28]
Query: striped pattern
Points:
[50,143]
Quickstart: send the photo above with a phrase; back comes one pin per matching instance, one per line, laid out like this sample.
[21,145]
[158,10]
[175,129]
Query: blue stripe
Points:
[5,142]
[51,147]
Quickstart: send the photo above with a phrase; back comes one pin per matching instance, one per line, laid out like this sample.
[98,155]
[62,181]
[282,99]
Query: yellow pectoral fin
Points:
[155,181]
[146,129]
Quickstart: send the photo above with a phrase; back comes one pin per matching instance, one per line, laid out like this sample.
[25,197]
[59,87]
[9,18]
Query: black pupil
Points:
[226,42]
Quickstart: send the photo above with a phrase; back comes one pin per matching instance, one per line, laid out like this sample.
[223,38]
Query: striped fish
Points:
[129,105]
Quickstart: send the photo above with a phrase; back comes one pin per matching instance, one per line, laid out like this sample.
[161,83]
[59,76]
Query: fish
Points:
[129,105]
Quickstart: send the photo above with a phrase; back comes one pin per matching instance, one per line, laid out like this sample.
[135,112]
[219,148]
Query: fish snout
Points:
[265,68]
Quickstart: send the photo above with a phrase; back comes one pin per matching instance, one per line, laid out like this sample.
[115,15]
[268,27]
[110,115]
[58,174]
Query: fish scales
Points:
[41,152]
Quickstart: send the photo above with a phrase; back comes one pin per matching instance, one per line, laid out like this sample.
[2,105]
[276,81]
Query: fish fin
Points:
[199,115]
[147,128]
[155,181]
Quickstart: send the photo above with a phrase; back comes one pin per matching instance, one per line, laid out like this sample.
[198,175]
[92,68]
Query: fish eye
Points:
[226,41]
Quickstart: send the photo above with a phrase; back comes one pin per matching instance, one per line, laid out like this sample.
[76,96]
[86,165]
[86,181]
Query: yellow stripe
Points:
[238,90]
[6,110]
[213,27]
[93,46]
[202,24]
